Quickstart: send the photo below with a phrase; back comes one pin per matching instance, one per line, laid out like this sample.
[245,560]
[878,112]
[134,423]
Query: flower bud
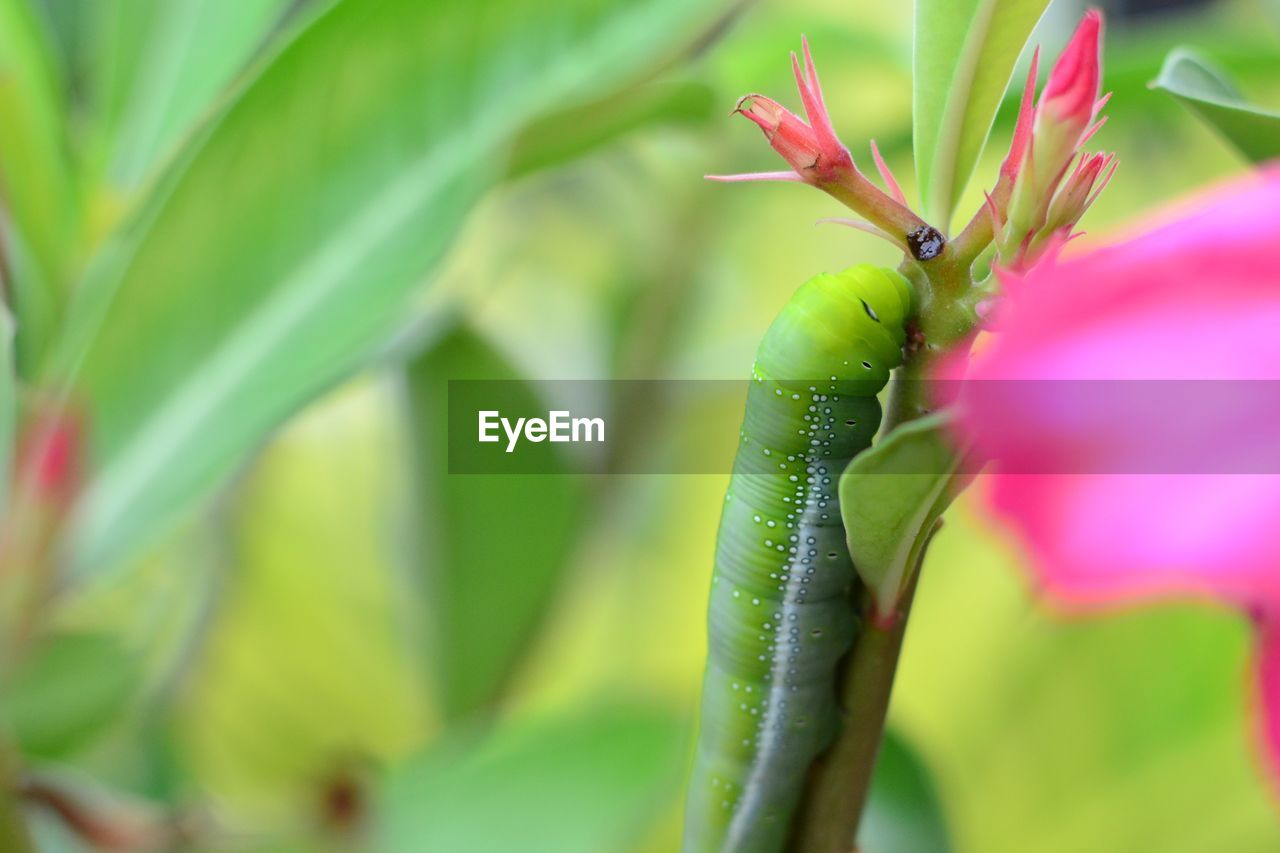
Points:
[1037,201]
[1069,96]
[814,152]
[1064,119]
[818,157]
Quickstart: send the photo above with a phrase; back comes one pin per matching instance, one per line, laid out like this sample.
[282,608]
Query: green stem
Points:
[871,203]
[841,780]
[14,837]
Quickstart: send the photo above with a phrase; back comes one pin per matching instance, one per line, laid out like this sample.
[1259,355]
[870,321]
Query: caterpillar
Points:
[780,615]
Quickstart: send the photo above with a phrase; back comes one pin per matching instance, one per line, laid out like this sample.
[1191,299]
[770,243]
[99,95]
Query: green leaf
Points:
[903,814]
[1208,93]
[581,784]
[890,497]
[492,548]
[964,53]
[39,202]
[158,65]
[306,669]
[67,692]
[289,245]
[568,134]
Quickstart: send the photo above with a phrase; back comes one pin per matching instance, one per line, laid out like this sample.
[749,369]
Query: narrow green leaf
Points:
[567,134]
[158,65]
[581,784]
[904,813]
[39,201]
[1212,96]
[291,243]
[890,497]
[485,591]
[8,402]
[964,53]
[69,690]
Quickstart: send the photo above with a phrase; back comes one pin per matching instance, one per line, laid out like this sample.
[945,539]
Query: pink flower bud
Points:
[817,157]
[811,149]
[1037,201]
[1065,115]
[49,462]
[1072,90]
[46,478]
[1082,186]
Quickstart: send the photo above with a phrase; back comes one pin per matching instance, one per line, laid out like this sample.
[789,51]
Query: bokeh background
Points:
[340,646]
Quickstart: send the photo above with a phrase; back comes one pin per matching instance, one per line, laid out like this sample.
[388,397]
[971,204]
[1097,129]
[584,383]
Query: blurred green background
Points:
[324,641]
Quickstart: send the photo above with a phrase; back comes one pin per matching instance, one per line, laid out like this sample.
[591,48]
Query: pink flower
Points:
[1136,457]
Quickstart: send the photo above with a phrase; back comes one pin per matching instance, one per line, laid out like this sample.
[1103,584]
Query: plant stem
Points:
[841,779]
[14,837]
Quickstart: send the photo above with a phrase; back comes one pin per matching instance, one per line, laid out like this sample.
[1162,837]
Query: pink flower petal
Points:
[1268,688]
[1151,488]
[1142,356]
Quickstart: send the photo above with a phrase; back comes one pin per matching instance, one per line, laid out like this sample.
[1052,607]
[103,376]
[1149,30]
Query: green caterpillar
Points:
[780,616]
